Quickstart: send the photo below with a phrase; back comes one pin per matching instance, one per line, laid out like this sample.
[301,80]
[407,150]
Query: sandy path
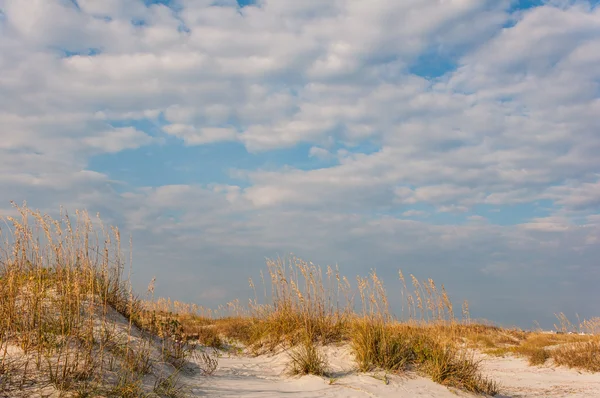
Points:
[264,376]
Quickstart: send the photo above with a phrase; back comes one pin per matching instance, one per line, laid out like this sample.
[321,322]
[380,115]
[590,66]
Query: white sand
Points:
[521,380]
[264,376]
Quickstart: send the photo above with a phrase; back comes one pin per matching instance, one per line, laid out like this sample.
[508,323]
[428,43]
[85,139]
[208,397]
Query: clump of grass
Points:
[374,343]
[538,356]
[138,361]
[305,309]
[177,346]
[64,373]
[397,348]
[209,337]
[240,329]
[207,362]
[302,303]
[306,359]
[169,387]
[579,355]
[376,346]
[128,385]
[379,342]
[8,370]
[177,352]
[448,366]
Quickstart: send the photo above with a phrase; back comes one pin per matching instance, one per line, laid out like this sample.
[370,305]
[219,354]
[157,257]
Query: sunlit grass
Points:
[68,316]
[63,281]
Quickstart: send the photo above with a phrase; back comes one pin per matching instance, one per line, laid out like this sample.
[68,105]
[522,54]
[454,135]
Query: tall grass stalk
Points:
[62,288]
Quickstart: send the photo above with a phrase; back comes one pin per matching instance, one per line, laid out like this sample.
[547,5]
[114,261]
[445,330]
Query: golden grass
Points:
[306,359]
[306,306]
[584,355]
[426,342]
[302,305]
[375,345]
[68,315]
[61,281]
[568,349]
[240,329]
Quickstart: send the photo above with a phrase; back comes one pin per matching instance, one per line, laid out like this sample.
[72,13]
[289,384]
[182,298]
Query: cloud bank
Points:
[457,140]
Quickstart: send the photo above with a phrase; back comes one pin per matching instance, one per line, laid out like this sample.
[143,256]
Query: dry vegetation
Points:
[70,322]
[578,350]
[307,307]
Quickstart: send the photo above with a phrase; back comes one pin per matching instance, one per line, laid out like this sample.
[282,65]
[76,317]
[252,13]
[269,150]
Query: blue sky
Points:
[457,140]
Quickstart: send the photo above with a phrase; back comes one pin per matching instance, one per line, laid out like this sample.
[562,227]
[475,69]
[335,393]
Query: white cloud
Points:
[477,219]
[516,123]
[319,152]
[453,209]
[193,136]
[118,139]
[414,213]
[548,224]
[578,195]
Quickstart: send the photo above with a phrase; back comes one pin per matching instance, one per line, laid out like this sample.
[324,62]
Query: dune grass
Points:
[69,320]
[380,341]
[64,284]
[585,355]
[58,285]
[306,359]
[306,307]
[574,351]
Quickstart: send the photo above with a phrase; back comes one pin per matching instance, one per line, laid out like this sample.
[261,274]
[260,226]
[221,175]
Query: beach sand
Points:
[265,376]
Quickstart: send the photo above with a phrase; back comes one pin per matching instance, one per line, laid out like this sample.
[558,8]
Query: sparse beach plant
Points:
[306,359]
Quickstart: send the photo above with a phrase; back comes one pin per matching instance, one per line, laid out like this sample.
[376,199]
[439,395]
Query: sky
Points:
[457,140]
